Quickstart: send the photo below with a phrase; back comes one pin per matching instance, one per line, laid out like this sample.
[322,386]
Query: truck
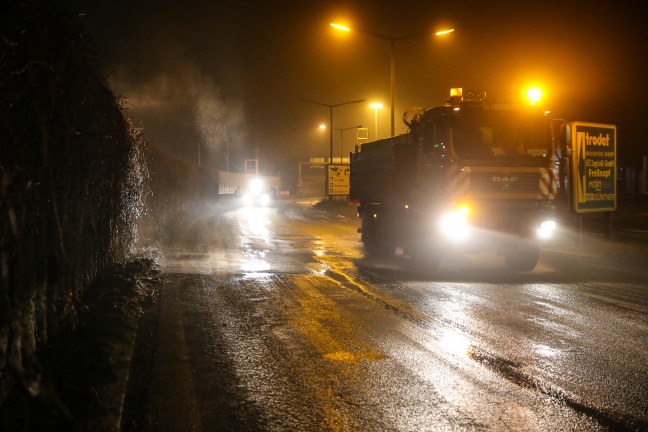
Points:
[472,175]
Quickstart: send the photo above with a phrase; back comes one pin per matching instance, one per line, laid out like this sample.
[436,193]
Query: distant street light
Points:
[330,107]
[376,106]
[342,130]
[392,41]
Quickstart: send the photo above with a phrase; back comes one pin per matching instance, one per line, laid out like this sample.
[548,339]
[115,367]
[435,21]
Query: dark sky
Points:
[229,74]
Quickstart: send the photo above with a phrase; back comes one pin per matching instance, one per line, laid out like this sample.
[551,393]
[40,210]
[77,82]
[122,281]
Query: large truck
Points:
[469,176]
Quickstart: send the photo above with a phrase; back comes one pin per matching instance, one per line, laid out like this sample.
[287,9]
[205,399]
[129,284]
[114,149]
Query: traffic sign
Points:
[338,179]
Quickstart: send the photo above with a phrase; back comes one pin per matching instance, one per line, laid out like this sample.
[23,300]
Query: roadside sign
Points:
[593,166]
[338,179]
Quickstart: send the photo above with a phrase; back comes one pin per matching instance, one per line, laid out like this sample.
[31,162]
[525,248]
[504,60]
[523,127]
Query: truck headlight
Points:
[546,229]
[454,224]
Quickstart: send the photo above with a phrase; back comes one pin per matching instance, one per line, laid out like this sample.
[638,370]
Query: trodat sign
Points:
[593,166]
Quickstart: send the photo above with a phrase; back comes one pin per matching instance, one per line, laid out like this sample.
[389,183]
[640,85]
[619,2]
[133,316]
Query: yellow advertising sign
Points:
[594,167]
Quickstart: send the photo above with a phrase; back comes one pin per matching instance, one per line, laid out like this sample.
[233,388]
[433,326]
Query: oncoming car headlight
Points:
[256,186]
[454,224]
[264,199]
[546,229]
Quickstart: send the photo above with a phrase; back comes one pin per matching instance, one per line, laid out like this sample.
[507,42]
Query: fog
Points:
[226,75]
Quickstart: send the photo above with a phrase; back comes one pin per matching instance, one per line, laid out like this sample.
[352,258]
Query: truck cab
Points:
[470,175]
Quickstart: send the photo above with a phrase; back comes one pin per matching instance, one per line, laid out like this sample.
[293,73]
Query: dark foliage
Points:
[71,176]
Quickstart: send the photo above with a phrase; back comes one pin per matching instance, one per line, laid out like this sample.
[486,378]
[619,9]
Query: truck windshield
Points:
[506,136]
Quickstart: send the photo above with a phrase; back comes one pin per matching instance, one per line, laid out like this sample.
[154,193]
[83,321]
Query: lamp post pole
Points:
[392,86]
[376,107]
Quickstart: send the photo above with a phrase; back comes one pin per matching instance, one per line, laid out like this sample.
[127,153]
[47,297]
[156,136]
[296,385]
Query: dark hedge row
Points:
[71,178]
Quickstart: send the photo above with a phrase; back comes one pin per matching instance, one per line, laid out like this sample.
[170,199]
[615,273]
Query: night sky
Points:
[230,74]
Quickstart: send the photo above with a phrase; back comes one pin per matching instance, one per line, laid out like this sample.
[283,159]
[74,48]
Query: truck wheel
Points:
[375,242]
[522,258]
[385,249]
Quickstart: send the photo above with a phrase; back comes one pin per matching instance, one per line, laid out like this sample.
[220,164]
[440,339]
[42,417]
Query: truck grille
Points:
[494,182]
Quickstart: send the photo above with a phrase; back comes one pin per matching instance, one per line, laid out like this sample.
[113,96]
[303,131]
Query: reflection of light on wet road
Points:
[318,247]
[254,223]
[455,343]
[546,351]
[451,339]
[256,275]
[255,262]
[354,357]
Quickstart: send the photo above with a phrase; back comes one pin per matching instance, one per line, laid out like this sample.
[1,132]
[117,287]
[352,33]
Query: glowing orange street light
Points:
[534,95]
[443,32]
[340,27]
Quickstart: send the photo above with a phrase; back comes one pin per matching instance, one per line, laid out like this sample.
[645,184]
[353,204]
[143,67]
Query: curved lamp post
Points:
[330,107]
[392,41]
[342,130]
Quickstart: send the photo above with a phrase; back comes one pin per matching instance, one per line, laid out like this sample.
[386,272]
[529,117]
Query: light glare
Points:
[534,95]
[444,32]
[340,27]
[454,225]
[546,229]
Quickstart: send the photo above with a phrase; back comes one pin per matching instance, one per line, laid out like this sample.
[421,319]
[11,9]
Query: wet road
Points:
[274,320]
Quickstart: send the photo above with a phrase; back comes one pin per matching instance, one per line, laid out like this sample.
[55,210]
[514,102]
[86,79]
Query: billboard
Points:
[593,166]
[338,179]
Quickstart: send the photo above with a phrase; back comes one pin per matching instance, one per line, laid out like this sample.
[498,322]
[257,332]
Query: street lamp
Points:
[330,107]
[376,106]
[342,130]
[392,41]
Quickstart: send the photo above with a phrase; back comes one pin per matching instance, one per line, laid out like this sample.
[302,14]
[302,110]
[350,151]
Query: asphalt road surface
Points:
[272,319]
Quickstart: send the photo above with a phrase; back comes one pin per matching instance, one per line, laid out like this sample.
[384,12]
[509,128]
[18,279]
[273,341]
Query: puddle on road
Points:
[354,357]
